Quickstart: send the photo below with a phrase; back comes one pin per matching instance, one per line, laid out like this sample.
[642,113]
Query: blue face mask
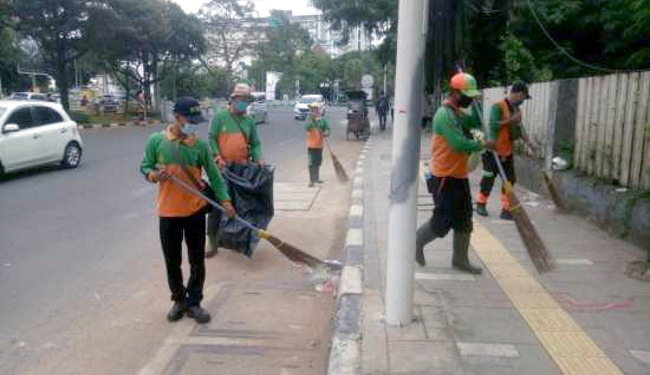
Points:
[189,129]
[240,106]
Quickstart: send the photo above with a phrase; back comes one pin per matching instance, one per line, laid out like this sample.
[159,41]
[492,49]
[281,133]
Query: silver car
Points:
[257,108]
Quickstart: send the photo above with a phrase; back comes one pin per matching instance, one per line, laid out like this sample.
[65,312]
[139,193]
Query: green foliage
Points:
[230,36]
[189,79]
[80,117]
[377,17]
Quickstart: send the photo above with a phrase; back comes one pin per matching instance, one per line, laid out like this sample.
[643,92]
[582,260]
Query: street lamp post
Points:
[405,161]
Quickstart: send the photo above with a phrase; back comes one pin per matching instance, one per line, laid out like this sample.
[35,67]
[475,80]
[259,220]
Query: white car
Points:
[257,109]
[301,109]
[37,133]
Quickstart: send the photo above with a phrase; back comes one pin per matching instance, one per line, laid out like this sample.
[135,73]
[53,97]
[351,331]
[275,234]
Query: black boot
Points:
[176,312]
[460,260]
[312,176]
[199,314]
[423,236]
[213,248]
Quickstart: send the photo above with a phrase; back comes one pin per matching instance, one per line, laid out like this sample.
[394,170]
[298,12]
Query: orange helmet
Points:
[466,84]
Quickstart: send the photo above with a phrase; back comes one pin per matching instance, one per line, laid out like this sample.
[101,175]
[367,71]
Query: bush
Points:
[80,117]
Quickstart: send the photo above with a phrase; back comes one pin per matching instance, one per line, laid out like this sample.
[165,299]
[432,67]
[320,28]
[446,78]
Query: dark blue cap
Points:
[189,108]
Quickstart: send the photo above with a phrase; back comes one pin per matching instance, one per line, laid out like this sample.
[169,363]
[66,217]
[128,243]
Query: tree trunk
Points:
[62,76]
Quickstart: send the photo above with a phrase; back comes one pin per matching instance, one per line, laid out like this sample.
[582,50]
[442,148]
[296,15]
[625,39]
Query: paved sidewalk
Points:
[586,317]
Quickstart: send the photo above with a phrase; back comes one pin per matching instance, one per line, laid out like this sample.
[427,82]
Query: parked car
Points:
[28,96]
[257,108]
[37,133]
[108,103]
[301,109]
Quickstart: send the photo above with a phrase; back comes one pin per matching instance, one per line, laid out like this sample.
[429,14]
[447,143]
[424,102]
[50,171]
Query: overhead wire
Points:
[567,53]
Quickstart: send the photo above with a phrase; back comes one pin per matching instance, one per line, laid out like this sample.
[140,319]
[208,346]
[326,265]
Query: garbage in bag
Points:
[250,187]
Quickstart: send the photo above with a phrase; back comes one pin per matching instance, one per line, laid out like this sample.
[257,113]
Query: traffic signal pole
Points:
[409,81]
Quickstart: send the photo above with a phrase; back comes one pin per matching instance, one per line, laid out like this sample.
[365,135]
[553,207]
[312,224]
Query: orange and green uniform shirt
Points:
[501,133]
[450,148]
[228,141]
[316,131]
[174,200]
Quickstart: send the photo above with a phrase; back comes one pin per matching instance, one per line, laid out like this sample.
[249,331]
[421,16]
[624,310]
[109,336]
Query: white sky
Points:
[299,7]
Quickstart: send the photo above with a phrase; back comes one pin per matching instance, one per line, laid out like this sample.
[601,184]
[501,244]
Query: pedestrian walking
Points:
[233,139]
[382,107]
[505,127]
[451,145]
[317,129]
[178,152]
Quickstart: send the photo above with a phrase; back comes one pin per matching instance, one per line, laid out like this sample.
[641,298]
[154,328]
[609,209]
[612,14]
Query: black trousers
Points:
[315,157]
[491,172]
[382,119]
[172,232]
[452,205]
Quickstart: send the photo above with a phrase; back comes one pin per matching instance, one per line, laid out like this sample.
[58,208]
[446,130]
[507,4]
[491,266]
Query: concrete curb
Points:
[345,351]
[117,124]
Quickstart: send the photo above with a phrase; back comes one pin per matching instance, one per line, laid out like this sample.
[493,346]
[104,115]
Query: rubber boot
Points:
[460,260]
[312,176]
[317,173]
[213,248]
[423,236]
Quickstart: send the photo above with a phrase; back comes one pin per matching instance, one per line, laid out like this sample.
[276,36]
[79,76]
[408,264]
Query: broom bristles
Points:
[555,197]
[341,174]
[294,254]
[539,254]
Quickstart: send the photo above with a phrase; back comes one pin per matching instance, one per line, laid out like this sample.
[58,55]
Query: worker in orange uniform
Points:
[233,139]
[451,146]
[505,128]
[317,129]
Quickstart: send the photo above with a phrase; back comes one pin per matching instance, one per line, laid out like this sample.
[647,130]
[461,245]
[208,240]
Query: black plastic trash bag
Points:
[250,187]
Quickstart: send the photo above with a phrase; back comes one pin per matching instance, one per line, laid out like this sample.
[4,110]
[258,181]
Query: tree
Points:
[9,51]
[144,41]
[232,32]
[59,27]
[285,42]
[377,17]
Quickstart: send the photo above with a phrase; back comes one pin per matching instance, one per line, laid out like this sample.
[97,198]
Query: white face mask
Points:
[189,129]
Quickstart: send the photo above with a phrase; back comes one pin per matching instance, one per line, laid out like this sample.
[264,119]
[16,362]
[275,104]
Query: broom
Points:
[288,250]
[341,174]
[539,254]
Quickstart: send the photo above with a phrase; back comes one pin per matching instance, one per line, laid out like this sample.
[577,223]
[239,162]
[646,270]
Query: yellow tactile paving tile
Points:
[569,344]
[566,343]
[549,320]
[590,366]
[532,300]
[506,270]
[520,284]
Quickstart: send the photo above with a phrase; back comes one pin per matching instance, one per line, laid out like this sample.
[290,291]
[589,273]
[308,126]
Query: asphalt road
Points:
[80,262]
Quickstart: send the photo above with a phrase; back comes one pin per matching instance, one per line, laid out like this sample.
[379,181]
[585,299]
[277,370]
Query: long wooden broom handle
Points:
[260,233]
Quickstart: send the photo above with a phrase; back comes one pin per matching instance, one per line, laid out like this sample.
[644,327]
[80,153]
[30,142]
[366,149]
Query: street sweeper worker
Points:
[505,128]
[233,139]
[317,129]
[451,146]
[178,152]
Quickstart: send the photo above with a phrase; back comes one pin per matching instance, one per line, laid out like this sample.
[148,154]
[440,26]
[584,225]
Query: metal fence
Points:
[612,124]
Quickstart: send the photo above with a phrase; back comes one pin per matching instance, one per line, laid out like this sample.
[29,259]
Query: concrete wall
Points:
[622,214]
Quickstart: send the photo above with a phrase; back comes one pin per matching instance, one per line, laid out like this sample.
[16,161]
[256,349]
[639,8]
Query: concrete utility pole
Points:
[409,81]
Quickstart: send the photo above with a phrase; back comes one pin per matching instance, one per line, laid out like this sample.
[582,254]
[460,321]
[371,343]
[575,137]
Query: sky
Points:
[299,7]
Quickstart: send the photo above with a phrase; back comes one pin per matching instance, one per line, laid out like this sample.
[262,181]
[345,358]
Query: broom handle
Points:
[214,204]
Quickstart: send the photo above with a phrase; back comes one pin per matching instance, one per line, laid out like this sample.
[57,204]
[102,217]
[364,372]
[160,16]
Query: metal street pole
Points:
[411,34]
